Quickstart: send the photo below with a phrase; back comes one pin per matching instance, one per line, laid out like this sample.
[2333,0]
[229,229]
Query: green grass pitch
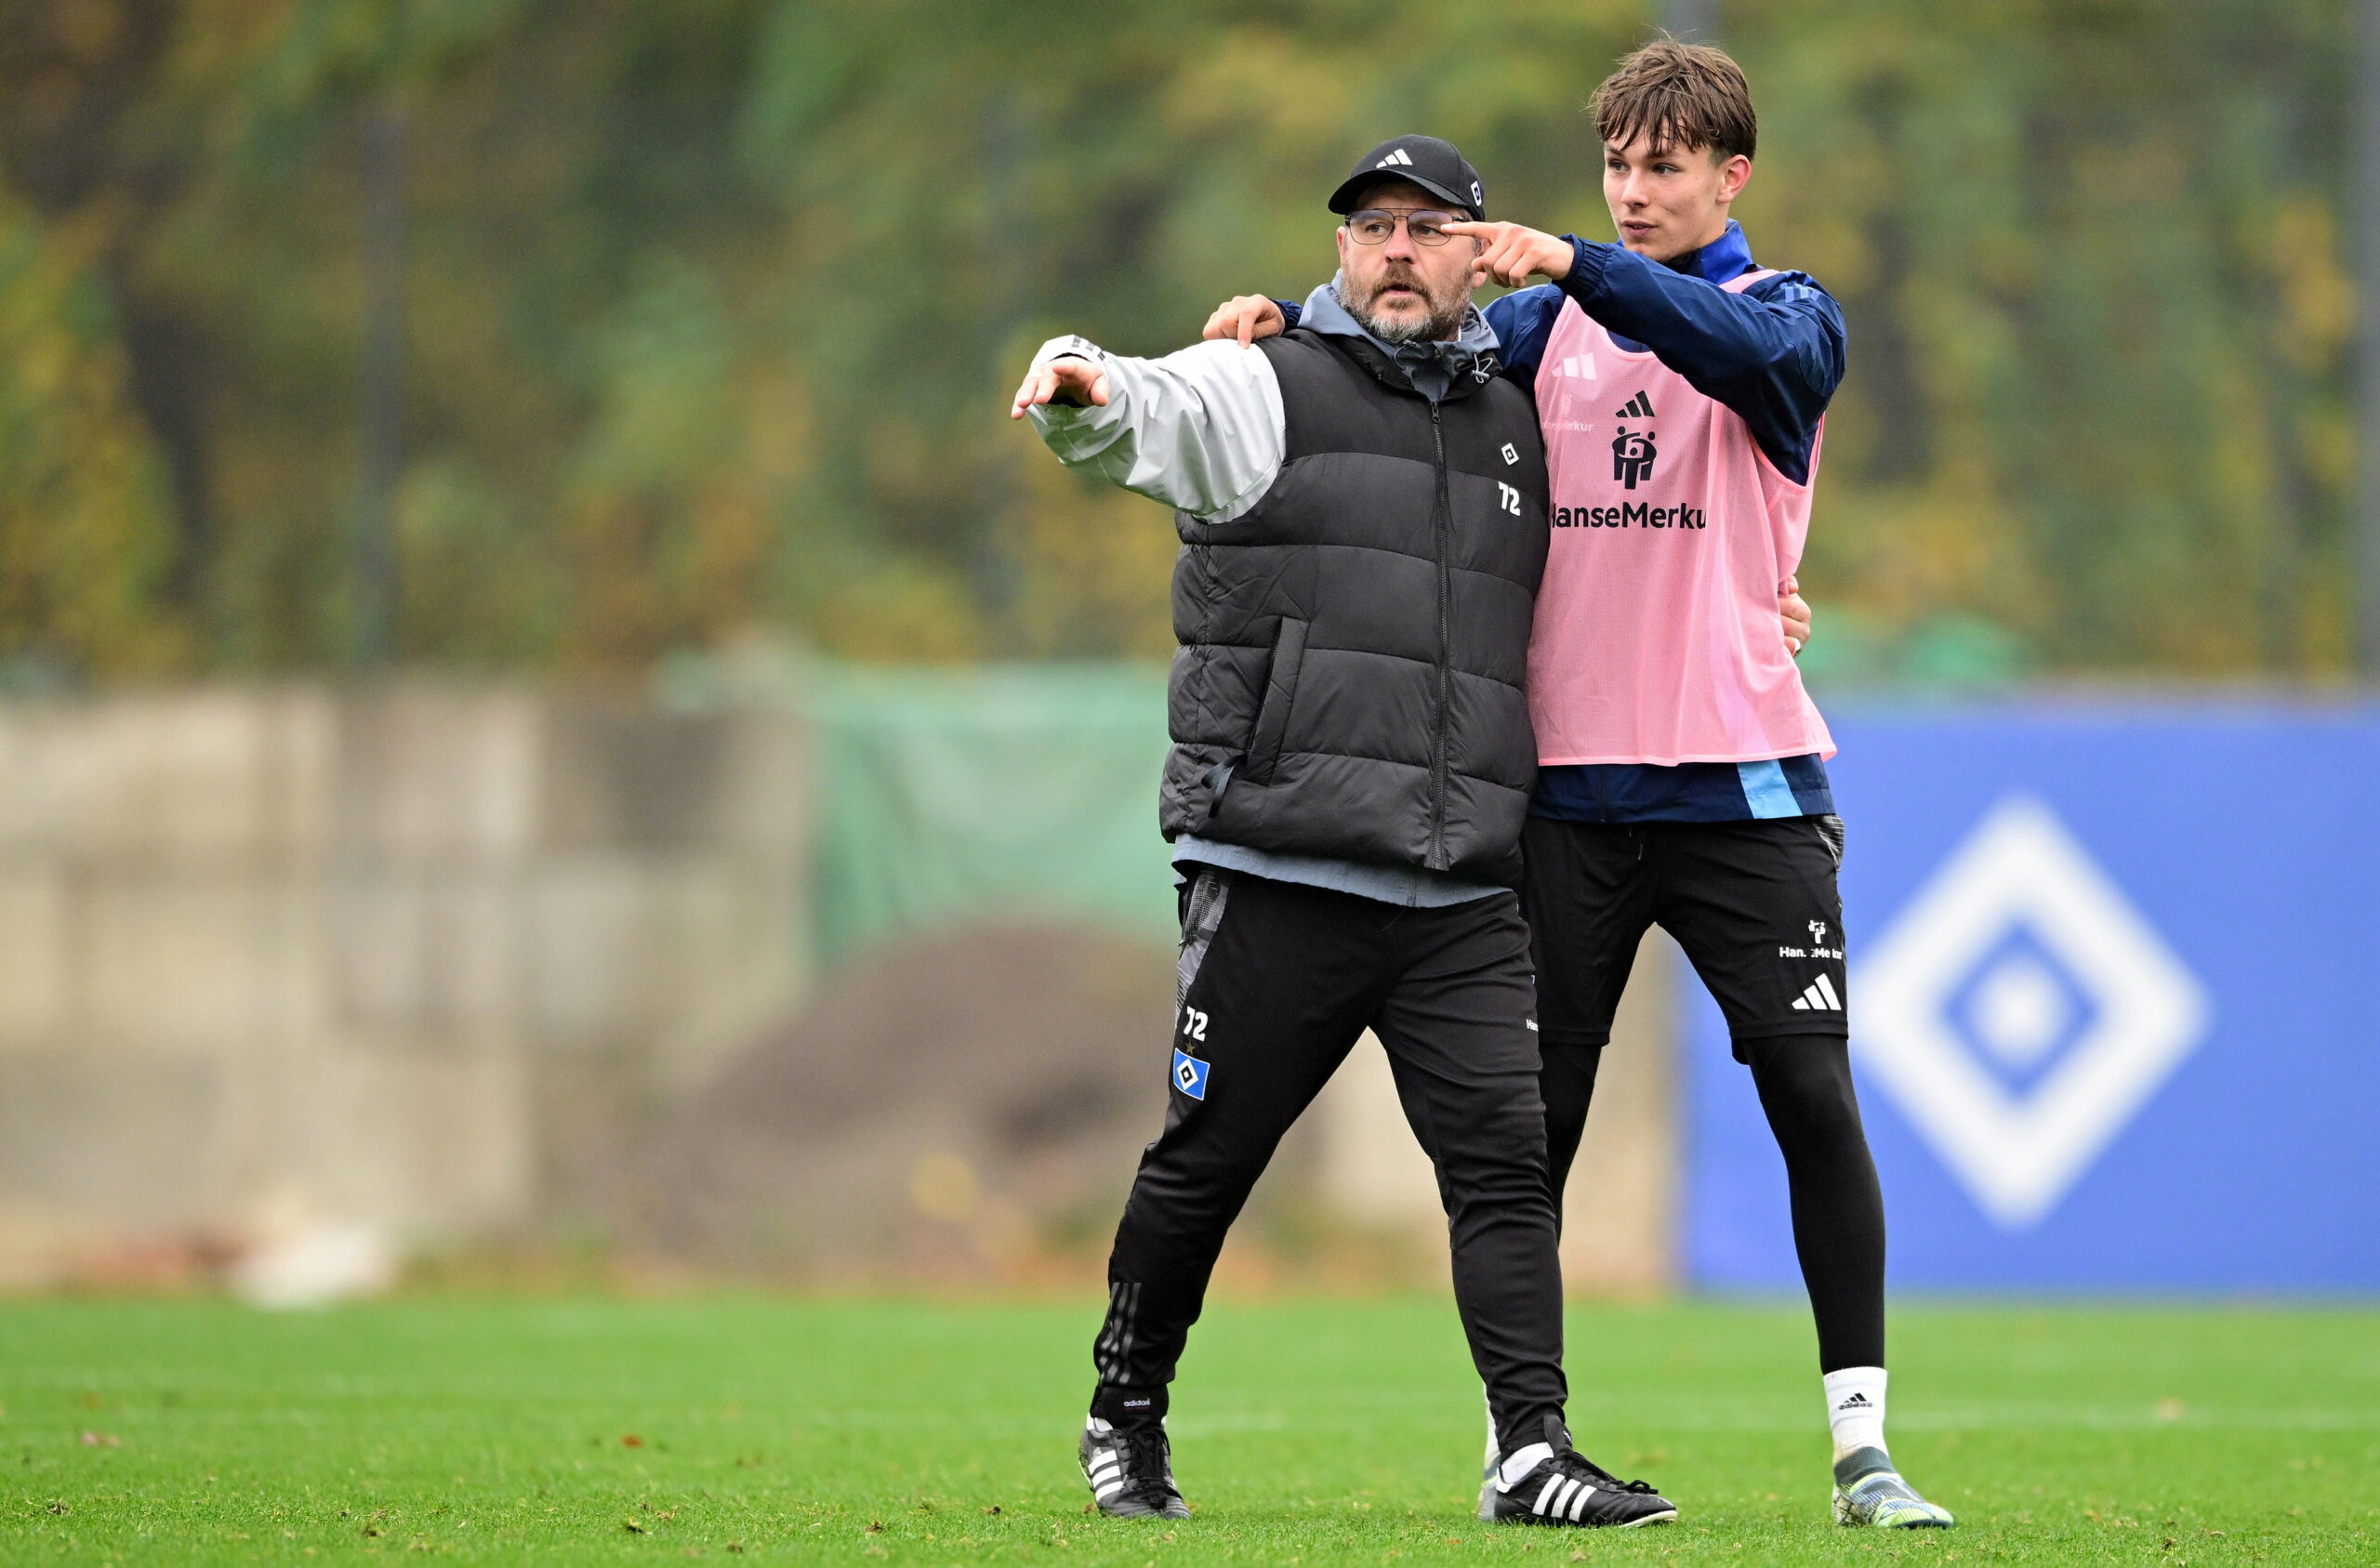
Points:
[1308,1432]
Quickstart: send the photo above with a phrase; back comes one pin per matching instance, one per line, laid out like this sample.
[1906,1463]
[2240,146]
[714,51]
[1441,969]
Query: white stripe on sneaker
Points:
[1579,1503]
[1547,1491]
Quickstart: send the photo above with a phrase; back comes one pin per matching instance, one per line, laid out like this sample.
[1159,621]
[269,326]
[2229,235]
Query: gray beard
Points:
[1440,325]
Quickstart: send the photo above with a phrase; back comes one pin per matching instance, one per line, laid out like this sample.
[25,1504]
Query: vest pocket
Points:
[1273,712]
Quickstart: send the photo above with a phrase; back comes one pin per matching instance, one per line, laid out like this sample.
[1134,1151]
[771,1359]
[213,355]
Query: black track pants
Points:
[1279,982]
[1744,900]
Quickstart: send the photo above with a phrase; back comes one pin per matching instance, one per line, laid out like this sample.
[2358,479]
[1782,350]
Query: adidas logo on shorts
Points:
[1819,998]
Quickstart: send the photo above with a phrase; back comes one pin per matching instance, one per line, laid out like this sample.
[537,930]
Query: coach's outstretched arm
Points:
[1200,429]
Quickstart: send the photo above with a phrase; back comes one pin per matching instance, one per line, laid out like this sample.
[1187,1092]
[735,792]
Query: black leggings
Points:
[1805,1084]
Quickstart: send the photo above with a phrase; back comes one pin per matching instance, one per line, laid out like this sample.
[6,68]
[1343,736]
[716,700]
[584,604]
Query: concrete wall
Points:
[458,965]
[413,957]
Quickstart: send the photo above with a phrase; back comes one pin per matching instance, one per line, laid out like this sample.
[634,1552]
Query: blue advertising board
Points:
[2113,973]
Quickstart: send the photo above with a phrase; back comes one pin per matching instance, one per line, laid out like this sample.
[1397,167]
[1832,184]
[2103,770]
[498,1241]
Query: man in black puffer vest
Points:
[1362,506]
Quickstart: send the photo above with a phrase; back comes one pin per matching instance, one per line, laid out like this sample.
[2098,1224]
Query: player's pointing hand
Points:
[1512,254]
[1070,382]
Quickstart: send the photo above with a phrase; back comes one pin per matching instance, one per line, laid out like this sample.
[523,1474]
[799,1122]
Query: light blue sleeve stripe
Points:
[1765,790]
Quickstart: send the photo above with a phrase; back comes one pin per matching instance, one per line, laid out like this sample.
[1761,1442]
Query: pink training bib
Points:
[1657,638]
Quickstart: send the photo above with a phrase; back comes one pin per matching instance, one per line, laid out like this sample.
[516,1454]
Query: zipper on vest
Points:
[1444,521]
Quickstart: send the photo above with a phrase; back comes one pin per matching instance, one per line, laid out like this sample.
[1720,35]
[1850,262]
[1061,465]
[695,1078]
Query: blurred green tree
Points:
[710,306]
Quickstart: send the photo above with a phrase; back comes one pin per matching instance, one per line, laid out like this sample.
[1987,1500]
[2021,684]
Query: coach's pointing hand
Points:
[1511,254]
[1071,381]
[1248,318]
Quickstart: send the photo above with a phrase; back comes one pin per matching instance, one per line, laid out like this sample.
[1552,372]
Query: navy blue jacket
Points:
[1773,352]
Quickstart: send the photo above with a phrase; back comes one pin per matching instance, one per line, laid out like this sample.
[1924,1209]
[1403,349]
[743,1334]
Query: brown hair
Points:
[1680,96]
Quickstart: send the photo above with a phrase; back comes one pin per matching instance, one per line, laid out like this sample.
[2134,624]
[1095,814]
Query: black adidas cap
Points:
[1432,164]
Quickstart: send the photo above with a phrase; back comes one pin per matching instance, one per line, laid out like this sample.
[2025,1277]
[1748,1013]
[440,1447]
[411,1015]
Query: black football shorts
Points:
[1753,903]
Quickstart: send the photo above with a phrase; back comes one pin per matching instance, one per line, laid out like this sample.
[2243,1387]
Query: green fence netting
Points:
[949,796]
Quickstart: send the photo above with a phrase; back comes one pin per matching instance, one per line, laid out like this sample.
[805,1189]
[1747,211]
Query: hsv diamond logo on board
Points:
[2020,1011]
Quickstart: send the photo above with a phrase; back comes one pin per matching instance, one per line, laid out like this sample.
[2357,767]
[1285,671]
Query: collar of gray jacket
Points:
[1430,365]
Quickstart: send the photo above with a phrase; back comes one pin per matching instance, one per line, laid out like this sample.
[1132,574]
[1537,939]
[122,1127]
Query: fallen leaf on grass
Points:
[994,1509]
[875,1527]
[629,1440]
[101,1440]
[631,1526]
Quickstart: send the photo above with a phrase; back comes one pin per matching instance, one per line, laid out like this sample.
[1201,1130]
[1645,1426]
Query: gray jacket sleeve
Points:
[1200,429]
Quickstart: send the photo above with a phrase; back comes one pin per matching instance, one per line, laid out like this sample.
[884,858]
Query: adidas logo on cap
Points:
[1818,998]
[1398,159]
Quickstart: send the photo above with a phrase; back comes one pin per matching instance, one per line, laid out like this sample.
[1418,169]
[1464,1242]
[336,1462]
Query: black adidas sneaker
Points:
[1131,1472]
[1565,1487]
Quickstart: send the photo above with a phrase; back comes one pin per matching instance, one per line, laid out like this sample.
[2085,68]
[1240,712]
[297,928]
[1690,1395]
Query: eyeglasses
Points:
[1373,226]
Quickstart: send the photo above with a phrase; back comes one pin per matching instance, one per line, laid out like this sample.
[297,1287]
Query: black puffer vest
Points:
[1353,648]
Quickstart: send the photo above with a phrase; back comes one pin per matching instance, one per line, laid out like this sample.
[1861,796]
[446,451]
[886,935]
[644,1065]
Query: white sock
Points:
[1522,1461]
[1855,1408]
